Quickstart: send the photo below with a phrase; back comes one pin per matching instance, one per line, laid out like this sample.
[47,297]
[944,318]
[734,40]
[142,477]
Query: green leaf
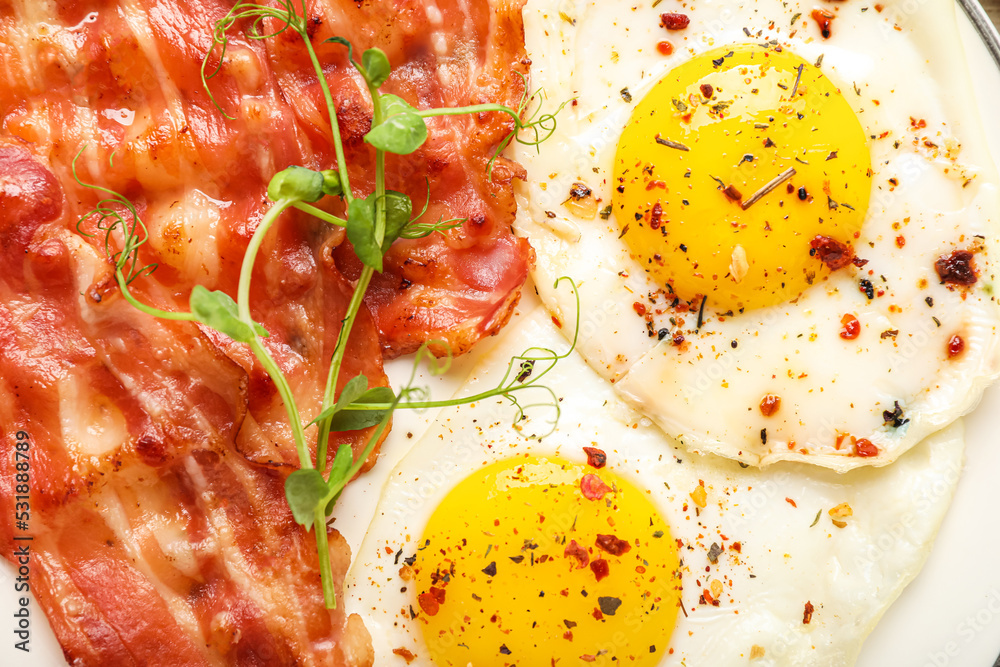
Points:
[331,183]
[354,388]
[305,489]
[376,66]
[218,310]
[403,130]
[339,471]
[342,463]
[361,232]
[377,395]
[296,183]
[353,420]
[398,209]
[394,104]
[356,391]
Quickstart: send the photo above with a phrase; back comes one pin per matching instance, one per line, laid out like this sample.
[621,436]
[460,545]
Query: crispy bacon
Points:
[461,285]
[140,499]
[159,449]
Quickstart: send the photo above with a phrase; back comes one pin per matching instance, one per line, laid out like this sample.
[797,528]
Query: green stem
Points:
[475,108]
[319,516]
[338,357]
[323,552]
[329,394]
[426,405]
[360,462]
[338,145]
[320,213]
[149,310]
[250,258]
[263,356]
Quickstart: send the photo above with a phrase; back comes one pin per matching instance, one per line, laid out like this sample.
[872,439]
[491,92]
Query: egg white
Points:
[788,556]
[706,395]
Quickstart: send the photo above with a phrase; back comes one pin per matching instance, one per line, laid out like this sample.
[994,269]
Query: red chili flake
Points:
[833,253]
[706,597]
[431,601]
[917,123]
[858,262]
[568,635]
[612,545]
[596,458]
[600,568]
[655,215]
[900,241]
[678,339]
[674,21]
[593,487]
[791,502]
[574,550]
[865,448]
[405,654]
[823,19]
[639,308]
[665,48]
[957,268]
[851,327]
[706,90]
[807,615]
[955,346]
[769,405]
[737,547]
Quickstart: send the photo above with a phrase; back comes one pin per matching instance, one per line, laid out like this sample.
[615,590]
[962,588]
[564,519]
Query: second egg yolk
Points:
[540,561]
[729,168]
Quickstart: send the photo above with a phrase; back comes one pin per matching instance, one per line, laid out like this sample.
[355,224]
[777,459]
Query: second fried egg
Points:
[605,543]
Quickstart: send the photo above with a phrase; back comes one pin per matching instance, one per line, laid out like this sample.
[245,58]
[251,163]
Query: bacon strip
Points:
[160,449]
[461,285]
[140,500]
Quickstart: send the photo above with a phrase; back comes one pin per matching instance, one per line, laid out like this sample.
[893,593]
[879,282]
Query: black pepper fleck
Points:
[609,605]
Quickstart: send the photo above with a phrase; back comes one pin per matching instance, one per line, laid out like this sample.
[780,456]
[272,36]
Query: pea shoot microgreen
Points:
[372,223]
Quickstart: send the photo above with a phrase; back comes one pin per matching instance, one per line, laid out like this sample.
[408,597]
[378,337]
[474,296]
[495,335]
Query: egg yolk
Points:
[539,561]
[730,166]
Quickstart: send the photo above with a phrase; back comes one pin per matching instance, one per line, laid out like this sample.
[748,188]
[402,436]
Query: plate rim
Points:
[987,31]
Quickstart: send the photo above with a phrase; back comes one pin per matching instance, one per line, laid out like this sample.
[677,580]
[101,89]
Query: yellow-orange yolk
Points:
[694,162]
[523,563]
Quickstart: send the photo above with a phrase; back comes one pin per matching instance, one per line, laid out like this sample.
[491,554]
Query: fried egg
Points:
[782,219]
[605,542]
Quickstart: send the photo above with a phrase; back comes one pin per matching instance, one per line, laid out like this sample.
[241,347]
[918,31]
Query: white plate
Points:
[948,617]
